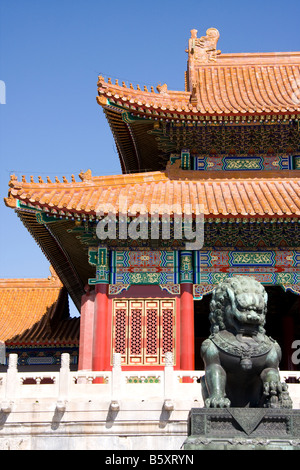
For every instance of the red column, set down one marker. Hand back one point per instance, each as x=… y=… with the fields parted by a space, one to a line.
x=86 y=330
x=102 y=329
x=187 y=334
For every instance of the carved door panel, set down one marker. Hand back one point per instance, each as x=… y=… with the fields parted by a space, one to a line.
x=167 y=328
x=135 y=340
x=120 y=327
x=151 y=337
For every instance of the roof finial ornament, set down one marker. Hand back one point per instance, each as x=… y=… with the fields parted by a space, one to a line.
x=163 y=89
x=13 y=179
x=204 y=49
x=85 y=176
x=53 y=276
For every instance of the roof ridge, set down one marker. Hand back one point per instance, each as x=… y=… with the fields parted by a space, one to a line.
x=86 y=180
x=52 y=282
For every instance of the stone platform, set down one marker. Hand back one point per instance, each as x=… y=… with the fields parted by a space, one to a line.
x=243 y=429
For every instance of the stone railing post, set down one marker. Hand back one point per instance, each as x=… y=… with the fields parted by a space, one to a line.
x=116 y=385
x=64 y=382
x=12 y=385
x=168 y=381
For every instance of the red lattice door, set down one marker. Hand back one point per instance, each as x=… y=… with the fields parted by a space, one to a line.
x=144 y=330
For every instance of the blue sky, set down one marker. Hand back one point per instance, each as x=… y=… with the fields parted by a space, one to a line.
x=51 y=52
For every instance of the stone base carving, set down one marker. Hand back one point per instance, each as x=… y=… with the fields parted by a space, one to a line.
x=243 y=429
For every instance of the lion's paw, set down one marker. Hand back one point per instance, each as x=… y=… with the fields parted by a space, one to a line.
x=276 y=395
x=217 y=401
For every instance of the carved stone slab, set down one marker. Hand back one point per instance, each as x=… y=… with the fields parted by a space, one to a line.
x=243 y=428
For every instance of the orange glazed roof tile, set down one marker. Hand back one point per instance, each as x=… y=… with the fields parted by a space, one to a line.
x=227 y=193
x=216 y=84
x=34 y=312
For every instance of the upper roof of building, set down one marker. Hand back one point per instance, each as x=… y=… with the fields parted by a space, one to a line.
x=238 y=84
x=35 y=313
x=221 y=89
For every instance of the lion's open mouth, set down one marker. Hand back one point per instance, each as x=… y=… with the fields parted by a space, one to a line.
x=253 y=318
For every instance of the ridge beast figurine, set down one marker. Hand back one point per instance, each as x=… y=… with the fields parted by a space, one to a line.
x=241 y=362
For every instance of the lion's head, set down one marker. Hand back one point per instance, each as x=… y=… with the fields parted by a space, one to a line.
x=238 y=303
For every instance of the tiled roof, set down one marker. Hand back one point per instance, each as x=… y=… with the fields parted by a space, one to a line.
x=216 y=84
x=239 y=84
x=34 y=313
x=249 y=84
x=224 y=96
x=252 y=83
x=219 y=193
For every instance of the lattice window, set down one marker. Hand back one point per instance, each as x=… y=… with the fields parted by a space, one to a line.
x=135 y=342
x=151 y=328
x=136 y=332
x=120 y=320
x=144 y=330
x=168 y=330
x=120 y=331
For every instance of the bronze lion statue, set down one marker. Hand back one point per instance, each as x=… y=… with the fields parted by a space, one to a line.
x=241 y=361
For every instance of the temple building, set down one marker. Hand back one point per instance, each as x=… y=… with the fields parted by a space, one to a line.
x=210 y=188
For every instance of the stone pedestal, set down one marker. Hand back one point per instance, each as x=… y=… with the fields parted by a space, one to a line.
x=243 y=429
